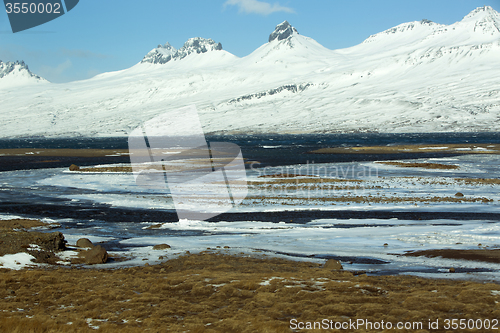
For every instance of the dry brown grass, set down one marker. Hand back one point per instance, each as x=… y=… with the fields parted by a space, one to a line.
x=431 y=148
x=285 y=175
x=107 y=169
x=20 y=224
x=486 y=255
x=213 y=292
x=288 y=185
x=367 y=199
x=311 y=180
x=479 y=181
x=62 y=152
x=422 y=165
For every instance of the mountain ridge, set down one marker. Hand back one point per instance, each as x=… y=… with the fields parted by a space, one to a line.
x=419 y=76
x=165 y=53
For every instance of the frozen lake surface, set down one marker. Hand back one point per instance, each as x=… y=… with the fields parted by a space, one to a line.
x=327 y=223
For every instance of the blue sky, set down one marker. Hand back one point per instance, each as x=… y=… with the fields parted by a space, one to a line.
x=106 y=35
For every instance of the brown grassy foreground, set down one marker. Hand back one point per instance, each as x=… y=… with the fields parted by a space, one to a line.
x=214 y=292
x=217 y=292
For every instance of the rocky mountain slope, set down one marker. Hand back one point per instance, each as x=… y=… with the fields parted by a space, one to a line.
x=416 y=77
x=17 y=73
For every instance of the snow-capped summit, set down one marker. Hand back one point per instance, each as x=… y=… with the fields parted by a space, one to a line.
x=286 y=47
x=17 y=73
x=282 y=31
x=165 y=53
x=405 y=33
x=17 y=67
x=482 y=11
x=480 y=27
x=161 y=55
x=483 y=20
x=198 y=45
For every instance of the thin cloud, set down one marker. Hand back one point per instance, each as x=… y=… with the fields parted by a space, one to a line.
x=77 y=53
x=55 y=74
x=257 y=7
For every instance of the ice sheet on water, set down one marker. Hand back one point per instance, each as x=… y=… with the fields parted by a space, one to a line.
x=341 y=238
x=350 y=238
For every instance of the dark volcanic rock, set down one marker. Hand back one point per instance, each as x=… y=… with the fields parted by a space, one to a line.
x=282 y=31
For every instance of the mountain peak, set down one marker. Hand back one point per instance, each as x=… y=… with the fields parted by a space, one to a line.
x=165 y=53
x=282 y=31
x=405 y=29
x=167 y=47
x=161 y=55
x=8 y=67
x=198 y=45
x=485 y=20
x=482 y=11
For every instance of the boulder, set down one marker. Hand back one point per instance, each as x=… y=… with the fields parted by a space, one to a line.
x=84 y=243
x=74 y=167
x=96 y=255
x=161 y=247
x=332 y=264
x=53 y=241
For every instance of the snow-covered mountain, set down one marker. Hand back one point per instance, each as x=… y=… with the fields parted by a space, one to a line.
x=416 y=77
x=164 y=53
x=16 y=74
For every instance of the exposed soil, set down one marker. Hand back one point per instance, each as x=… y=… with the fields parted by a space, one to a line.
x=15 y=238
x=21 y=224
